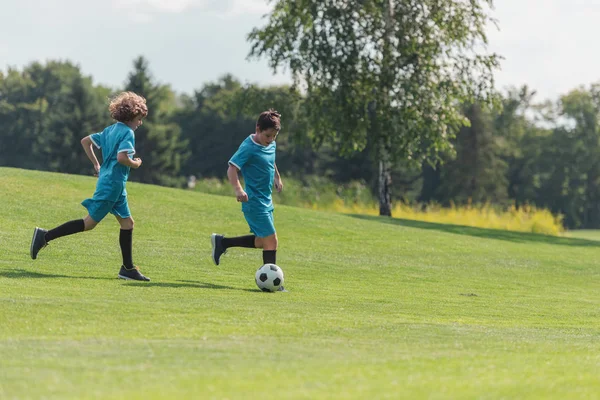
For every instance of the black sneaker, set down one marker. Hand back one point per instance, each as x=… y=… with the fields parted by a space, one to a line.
x=217 y=247
x=38 y=242
x=133 y=274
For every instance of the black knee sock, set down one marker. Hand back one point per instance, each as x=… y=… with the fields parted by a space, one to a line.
x=269 y=256
x=126 y=242
x=68 y=228
x=240 y=241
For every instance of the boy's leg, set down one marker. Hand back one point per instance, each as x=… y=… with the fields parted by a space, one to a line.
x=263 y=225
x=269 y=246
x=126 y=241
x=128 y=269
x=41 y=237
x=248 y=241
x=220 y=244
x=264 y=236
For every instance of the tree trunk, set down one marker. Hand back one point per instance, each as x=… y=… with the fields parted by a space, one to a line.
x=385 y=185
x=385 y=166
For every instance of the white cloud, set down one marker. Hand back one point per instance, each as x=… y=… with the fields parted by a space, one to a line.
x=222 y=7
x=250 y=7
x=146 y=6
x=547 y=44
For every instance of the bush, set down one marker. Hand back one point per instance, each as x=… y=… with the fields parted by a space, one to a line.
x=320 y=193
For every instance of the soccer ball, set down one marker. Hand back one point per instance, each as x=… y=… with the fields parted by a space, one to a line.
x=269 y=278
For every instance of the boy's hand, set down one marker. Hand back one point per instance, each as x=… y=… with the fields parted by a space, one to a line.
x=278 y=184
x=241 y=196
x=137 y=162
x=97 y=169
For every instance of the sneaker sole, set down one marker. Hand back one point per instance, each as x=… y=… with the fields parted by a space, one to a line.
x=32 y=242
x=131 y=279
x=213 y=239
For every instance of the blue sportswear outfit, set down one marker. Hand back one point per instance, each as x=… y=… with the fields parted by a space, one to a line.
x=257 y=165
x=111 y=195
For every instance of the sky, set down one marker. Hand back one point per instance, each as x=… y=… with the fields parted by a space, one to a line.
x=550 y=45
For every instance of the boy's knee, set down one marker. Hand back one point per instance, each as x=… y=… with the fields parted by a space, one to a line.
x=127 y=223
x=89 y=225
x=270 y=242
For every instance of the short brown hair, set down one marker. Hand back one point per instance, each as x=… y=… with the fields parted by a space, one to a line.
x=126 y=106
x=269 y=119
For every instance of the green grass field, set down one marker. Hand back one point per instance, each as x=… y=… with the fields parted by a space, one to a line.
x=585 y=234
x=377 y=308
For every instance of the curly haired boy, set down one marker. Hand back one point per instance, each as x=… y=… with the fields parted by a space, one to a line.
x=117 y=143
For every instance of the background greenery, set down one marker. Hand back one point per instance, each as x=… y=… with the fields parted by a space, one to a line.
x=521 y=153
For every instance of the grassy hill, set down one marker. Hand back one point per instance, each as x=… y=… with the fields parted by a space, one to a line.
x=377 y=308
x=589 y=234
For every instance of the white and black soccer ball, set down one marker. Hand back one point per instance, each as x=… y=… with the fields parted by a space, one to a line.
x=269 y=278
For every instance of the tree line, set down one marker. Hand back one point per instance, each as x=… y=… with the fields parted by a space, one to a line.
x=514 y=151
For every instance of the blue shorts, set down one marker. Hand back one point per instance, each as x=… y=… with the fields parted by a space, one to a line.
x=261 y=224
x=98 y=209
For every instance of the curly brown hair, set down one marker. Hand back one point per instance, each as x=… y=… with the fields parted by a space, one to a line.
x=269 y=119
x=126 y=106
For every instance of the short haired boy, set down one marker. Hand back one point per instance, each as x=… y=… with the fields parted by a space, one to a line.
x=255 y=159
x=117 y=143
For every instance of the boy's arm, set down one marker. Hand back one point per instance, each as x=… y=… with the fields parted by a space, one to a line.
x=277 y=181
x=232 y=175
x=87 y=145
x=124 y=159
x=125 y=147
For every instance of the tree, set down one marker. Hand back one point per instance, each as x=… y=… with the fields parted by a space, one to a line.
x=523 y=143
x=158 y=141
x=384 y=73
x=18 y=111
x=74 y=109
x=555 y=165
x=44 y=111
x=217 y=118
x=580 y=158
x=477 y=174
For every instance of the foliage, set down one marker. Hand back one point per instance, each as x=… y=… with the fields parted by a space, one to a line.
x=46 y=109
x=521 y=152
x=158 y=142
x=222 y=114
x=318 y=193
x=389 y=73
x=44 y=112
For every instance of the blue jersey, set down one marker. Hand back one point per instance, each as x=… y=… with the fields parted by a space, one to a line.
x=113 y=140
x=257 y=164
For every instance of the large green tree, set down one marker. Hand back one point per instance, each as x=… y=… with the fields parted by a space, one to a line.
x=387 y=74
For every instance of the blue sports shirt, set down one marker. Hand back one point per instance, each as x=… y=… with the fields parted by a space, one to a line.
x=112 y=140
x=257 y=164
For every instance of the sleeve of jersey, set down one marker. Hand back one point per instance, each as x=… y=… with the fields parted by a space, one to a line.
x=127 y=143
x=97 y=139
x=240 y=157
